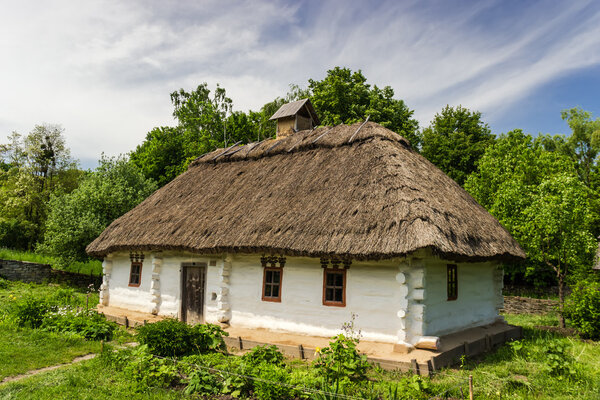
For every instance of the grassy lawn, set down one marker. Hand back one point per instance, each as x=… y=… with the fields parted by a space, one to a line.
x=86 y=380
x=524 y=370
x=93 y=266
x=543 y=365
x=23 y=349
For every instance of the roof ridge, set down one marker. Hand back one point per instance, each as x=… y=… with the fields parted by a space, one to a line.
x=323 y=137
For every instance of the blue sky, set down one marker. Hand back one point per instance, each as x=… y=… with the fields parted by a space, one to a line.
x=104 y=69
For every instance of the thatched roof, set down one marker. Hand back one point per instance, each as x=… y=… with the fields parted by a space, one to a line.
x=329 y=191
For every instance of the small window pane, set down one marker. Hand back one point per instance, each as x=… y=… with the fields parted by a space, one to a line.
x=330 y=279
x=267 y=290
x=275 y=291
x=275 y=277
x=339 y=280
x=338 y=295
x=329 y=294
x=269 y=278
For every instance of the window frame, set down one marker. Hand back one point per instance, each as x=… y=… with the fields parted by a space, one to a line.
x=452 y=281
x=139 y=274
x=333 y=303
x=272 y=298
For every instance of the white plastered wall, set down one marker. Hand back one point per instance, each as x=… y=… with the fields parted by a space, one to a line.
x=160 y=281
x=396 y=301
x=371 y=293
x=477 y=303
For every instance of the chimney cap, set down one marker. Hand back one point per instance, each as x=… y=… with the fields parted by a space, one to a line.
x=291 y=109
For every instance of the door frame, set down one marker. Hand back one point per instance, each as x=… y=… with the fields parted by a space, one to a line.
x=184 y=265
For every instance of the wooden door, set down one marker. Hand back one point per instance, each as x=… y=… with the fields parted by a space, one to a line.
x=193 y=281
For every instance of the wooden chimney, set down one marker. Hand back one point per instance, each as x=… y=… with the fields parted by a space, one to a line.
x=295 y=116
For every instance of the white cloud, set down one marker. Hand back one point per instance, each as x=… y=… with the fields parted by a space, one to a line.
x=104 y=69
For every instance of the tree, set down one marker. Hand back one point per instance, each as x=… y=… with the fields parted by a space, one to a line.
x=34 y=167
x=584 y=142
x=78 y=217
x=556 y=228
x=455 y=141
x=345 y=97
x=538 y=197
x=202 y=126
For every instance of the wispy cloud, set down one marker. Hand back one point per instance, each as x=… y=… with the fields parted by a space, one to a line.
x=104 y=69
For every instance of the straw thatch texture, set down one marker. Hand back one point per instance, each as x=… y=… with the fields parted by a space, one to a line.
x=314 y=193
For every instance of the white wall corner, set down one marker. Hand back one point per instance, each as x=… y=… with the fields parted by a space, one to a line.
x=417 y=294
x=223 y=303
x=155 y=283
x=104 y=288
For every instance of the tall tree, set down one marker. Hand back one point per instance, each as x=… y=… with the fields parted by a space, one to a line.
x=345 y=97
x=78 y=217
x=537 y=195
x=584 y=142
x=201 y=127
x=455 y=141
x=36 y=165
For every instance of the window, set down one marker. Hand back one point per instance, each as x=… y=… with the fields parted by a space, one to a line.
x=272 y=284
x=452 y=282
x=272 y=276
x=135 y=274
x=334 y=287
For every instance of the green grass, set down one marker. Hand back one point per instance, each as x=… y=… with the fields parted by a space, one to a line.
x=93 y=266
x=91 y=379
x=518 y=371
x=523 y=373
x=22 y=349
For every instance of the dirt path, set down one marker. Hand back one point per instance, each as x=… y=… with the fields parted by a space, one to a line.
x=50 y=368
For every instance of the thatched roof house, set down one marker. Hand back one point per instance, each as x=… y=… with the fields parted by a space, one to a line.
x=361 y=222
x=315 y=193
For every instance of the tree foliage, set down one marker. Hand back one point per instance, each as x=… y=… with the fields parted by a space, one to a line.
x=455 y=141
x=537 y=195
x=34 y=166
x=78 y=217
x=345 y=97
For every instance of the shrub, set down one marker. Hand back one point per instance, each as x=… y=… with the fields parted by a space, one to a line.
x=174 y=338
x=148 y=371
x=30 y=311
x=582 y=309
x=88 y=324
x=273 y=383
x=208 y=338
x=202 y=382
x=264 y=354
x=342 y=361
x=4 y=284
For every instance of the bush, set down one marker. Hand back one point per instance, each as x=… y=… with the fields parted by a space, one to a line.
x=208 y=338
x=88 y=324
x=267 y=387
x=264 y=354
x=174 y=338
x=341 y=360
x=202 y=382
x=148 y=371
x=582 y=309
x=16 y=233
x=4 y=284
x=30 y=311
